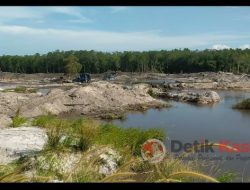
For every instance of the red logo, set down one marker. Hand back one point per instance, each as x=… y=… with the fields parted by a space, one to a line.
x=153 y=150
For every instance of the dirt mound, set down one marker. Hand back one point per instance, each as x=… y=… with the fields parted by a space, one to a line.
x=96 y=98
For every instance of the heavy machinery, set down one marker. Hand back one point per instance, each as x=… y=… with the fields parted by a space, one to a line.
x=83 y=77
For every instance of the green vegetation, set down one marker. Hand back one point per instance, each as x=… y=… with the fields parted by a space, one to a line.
x=111 y=116
x=226 y=177
x=80 y=134
x=18 y=120
x=86 y=140
x=174 y=61
x=245 y=104
x=72 y=65
x=151 y=92
x=20 y=89
x=128 y=138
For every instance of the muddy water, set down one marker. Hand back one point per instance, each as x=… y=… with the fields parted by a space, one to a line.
x=188 y=122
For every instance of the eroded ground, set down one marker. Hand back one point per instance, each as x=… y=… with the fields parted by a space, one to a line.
x=108 y=99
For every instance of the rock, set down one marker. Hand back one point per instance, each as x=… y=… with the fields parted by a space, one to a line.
x=5 y=121
x=62 y=162
x=39 y=93
x=207 y=97
x=18 y=142
x=109 y=162
x=69 y=162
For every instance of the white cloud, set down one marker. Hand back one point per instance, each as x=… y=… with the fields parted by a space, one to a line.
x=71 y=11
x=11 y=13
x=38 y=13
x=245 y=46
x=82 y=20
x=27 y=40
x=117 y=9
x=220 y=47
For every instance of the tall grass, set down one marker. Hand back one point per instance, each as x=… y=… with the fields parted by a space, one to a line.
x=131 y=138
x=18 y=120
x=83 y=133
x=80 y=136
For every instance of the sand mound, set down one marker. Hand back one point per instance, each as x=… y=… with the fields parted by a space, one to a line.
x=95 y=98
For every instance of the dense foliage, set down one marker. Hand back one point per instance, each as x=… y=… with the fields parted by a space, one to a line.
x=174 y=61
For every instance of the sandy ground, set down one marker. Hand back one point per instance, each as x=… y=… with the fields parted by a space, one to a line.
x=99 y=98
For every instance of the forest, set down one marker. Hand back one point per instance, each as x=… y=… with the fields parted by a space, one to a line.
x=171 y=61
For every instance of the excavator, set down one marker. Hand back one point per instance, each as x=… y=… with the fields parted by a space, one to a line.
x=83 y=78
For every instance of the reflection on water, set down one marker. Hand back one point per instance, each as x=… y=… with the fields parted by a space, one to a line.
x=189 y=122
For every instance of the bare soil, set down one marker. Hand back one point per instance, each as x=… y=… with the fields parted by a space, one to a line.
x=104 y=99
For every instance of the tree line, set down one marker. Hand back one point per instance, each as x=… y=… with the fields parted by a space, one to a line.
x=173 y=61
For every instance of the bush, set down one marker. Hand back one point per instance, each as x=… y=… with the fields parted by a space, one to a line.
x=245 y=104
x=151 y=92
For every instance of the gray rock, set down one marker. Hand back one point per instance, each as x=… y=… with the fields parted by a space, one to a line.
x=110 y=162
x=207 y=97
x=18 y=142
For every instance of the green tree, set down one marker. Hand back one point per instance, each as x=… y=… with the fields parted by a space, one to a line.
x=72 y=65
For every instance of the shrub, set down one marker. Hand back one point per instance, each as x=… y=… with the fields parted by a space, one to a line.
x=245 y=104
x=151 y=92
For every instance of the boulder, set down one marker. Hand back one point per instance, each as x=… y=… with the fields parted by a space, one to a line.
x=22 y=141
x=207 y=97
x=109 y=162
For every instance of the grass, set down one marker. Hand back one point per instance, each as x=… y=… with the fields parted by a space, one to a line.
x=130 y=138
x=21 y=89
x=87 y=139
x=18 y=120
x=82 y=133
x=111 y=116
x=245 y=104
x=226 y=177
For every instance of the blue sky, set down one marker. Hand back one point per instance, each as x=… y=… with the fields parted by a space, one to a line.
x=29 y=30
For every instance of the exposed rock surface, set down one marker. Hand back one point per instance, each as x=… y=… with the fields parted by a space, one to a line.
x=17 y=142
x=207 y=80
x=97 y=97
x=207 y=97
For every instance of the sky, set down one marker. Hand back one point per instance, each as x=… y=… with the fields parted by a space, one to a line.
x=30 y=30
